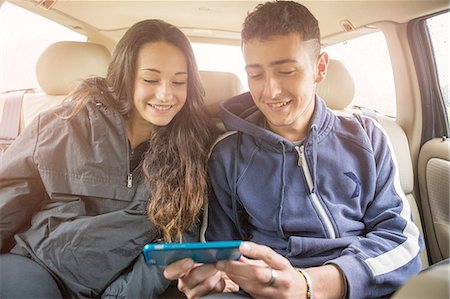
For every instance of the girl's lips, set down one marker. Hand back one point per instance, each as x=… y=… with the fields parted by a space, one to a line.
x=161 y=107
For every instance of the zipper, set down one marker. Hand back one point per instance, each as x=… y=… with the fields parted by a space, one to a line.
x=129 y=174
x=129 y=179
x=315 y=200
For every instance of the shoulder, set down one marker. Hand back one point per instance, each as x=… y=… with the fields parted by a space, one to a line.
x=223 y=143
x=91 y=121
x=364 y=130
x=356 y=129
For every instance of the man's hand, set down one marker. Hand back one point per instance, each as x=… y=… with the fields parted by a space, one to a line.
x=196 y=280
x=255 y=275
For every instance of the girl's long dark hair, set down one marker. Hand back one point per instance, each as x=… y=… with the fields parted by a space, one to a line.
x=175 y=163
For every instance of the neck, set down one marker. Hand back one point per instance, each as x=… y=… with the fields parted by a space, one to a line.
x=290 y=133
x=138 y=131
x=299 y=128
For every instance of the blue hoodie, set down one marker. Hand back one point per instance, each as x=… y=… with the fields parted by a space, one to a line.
x=336 y=198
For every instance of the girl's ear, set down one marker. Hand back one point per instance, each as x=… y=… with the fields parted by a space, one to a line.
x=322 y=65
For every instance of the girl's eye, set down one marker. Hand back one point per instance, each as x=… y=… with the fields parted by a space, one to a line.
x=150 y=81
x=179 y=82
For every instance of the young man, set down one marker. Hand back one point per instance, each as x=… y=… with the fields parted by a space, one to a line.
x=319 y=192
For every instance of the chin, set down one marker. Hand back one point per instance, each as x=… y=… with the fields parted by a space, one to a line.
x=161 y=123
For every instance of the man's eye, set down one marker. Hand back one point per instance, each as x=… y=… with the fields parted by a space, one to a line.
x=287 y=72
x=255 y=76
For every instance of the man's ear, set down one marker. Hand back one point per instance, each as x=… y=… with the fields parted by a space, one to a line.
x=322 y=66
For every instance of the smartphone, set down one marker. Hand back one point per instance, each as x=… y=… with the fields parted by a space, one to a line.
x=200 y=252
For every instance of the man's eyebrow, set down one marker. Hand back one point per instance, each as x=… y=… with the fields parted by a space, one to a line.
x=159 y=72
x=273 y=63
x=282 y=61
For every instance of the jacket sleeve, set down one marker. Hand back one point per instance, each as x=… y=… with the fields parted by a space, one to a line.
x=144 y=281
x=221 y=225
x=140 y=281
x=21 y=188
x=388 y=254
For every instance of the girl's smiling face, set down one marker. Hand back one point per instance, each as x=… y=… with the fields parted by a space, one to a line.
x=160 y=87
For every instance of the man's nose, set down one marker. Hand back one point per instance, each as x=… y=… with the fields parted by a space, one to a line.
x=272 y=87
x=164 y=92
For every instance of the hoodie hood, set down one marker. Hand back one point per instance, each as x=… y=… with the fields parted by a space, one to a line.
x=241 y=114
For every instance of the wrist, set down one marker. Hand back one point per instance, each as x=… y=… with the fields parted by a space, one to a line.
x=308 y=281
x=327 y=281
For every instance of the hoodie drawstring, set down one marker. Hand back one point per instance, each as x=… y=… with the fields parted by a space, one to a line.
x=283 y=186
x=314 y=153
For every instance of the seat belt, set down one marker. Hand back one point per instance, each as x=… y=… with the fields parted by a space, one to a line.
x=372 y=113
x=10 y=118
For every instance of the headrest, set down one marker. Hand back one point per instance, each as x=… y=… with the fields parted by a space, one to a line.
x=338 y=87
x=219 y=86
x=63 y=64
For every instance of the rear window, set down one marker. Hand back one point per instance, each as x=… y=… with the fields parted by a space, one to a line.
x=438 y=30
x=224 y=58
x=367 y=59
x=28 y=36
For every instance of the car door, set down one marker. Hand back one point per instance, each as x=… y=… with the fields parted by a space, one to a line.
x=429 y=39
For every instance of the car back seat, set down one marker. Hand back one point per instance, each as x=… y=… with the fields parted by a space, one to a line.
x=59 y=69
x=219 y=86
x=338 y=91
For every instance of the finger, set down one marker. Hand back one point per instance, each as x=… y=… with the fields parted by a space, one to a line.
x=256 y=289
x=241 y=271
x=264 y=253
x=197 y=275
x=211 y=284
x=178 y=269
x=260 y=263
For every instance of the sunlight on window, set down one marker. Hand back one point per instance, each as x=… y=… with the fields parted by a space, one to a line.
x=438 y=28
x=221 y=58
x=367 y=59
x=20 y=48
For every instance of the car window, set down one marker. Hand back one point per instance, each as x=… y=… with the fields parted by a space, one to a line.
x=20 y=46
x=225 y=58
x=438 y=30
x=367 y=59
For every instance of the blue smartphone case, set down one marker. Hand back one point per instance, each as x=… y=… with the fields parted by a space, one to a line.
x=206 y=253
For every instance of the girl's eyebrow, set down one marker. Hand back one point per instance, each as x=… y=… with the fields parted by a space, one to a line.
x=159 y=72
x=151 y=70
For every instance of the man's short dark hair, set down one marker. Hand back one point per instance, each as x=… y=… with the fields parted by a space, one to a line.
x=281 y=18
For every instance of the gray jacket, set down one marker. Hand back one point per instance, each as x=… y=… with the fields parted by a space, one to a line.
x=65 y=194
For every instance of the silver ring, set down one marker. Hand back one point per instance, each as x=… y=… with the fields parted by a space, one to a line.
x=273 y=277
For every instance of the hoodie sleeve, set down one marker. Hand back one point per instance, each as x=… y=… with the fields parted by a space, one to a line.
x=388 y=255
x=220 y=213
x=21 y=188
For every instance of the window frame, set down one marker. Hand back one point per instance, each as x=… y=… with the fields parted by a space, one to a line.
x=435 y=122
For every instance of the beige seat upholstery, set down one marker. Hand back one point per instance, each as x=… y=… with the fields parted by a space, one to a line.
x=59 y=69
x=338 y=91
x=338 y=88
x=219 y=86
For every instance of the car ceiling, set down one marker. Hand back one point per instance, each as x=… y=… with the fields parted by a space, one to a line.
x=220 y=21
